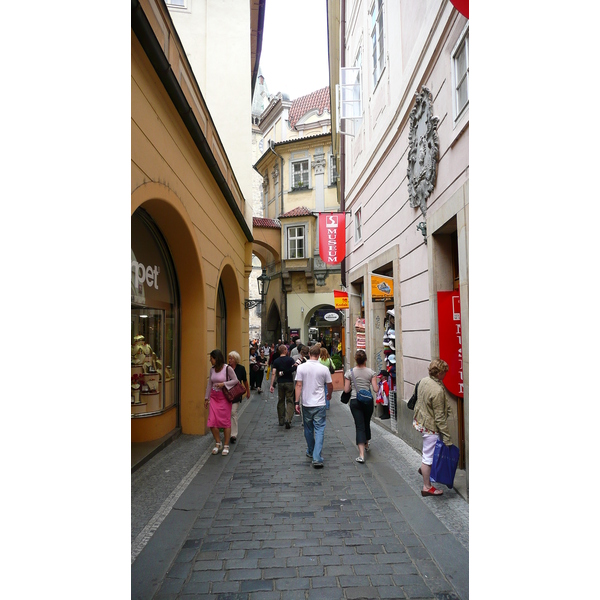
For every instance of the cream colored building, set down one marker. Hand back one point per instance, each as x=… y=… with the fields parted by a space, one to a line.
x=299 y=180
x=404 y=169
x=213 y=32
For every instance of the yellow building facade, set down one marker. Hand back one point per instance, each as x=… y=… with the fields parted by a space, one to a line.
x=191 y=243
x=299 y=178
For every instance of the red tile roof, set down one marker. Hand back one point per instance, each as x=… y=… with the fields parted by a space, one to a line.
x=269 y=223
x=304 y=104
x=301 y=211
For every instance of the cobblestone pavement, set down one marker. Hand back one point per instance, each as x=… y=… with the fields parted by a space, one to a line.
x=262 y=523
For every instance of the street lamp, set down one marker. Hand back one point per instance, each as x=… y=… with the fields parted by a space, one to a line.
x=263 y=287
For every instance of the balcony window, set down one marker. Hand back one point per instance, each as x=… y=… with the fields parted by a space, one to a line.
x=295 y=242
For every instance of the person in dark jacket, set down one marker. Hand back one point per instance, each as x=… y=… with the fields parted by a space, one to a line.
x=283 y=374
x=234 y=361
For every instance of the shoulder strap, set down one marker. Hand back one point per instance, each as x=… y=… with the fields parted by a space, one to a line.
x=354 y=379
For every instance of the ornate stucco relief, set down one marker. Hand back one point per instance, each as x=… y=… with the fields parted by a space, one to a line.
x=423 y=151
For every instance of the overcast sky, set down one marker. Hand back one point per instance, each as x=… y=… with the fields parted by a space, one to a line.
x=294 y=47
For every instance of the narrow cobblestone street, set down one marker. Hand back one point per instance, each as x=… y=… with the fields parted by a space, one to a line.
x=262 y=523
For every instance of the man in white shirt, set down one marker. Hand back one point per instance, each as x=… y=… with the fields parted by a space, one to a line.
x=311 y=378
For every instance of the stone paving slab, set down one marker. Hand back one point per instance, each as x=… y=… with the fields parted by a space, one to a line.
x=262 y=523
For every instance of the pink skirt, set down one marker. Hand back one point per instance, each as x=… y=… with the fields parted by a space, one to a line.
x=219 y=410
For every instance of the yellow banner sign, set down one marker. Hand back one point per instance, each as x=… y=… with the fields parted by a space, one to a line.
x=340 y=300
x=382 y=287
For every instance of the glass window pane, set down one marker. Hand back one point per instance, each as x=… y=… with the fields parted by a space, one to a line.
x=153 y=320
x=461 y=64
x=462 y=95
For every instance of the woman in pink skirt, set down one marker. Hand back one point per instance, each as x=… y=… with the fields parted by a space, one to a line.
x=219 y=409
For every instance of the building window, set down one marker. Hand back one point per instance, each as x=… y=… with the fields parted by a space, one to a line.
x=295 y=242
x=358 y=225
x=377 y=39
x=333 y=173
x=460 y=68
x=177 y=3
x=221 y=320
x=300 y=171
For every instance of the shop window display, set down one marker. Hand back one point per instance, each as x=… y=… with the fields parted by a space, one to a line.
x=153 y=321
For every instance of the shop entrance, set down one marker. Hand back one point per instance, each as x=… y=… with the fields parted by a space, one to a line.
x=325 y=327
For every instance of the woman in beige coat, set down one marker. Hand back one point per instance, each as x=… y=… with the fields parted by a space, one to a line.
x=431 y=419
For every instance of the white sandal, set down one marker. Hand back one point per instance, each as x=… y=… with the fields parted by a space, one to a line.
x=217 y=448
x=225 y=450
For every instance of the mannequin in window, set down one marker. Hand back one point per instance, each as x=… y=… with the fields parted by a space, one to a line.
x=141 y=353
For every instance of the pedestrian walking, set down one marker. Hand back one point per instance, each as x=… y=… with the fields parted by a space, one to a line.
x=431 y=419
x=356 y=379
x=312 y=378
x=325 y=359
x=261 y=361
x=234 y=360
x=295 y=350
x=219 y=409
x=254 y=367
x=282 y=373
x=300 y=359
x=272 y=357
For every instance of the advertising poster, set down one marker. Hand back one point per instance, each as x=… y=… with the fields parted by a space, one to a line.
x=382 y=288
x=340 y=300
x=450 y=335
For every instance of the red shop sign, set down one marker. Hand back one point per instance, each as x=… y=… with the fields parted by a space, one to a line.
x=450 y=335
x=332 y=237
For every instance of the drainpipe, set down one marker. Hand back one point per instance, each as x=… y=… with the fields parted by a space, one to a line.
x=271 y=144
x=343 y=137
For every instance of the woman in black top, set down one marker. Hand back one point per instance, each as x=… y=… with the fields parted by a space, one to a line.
x=234 y=360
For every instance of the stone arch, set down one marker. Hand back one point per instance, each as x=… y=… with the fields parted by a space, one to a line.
x=231 y=287
x=335 y=326
x=273 y=323
x=171 y=217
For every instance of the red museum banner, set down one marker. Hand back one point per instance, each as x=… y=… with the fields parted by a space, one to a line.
x=332 y=237
x=450 y=336
x=462 y=6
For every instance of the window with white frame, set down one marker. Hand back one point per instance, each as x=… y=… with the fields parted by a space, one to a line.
x=295 y=242
x=177 y=3
x=333 y=174
x=300 y=172
x=377 y=40
x=460 y=68
x=358 y=226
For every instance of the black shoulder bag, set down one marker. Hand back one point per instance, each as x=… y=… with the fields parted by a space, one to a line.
x=413 y=398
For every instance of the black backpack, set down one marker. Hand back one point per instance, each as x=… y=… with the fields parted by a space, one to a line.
x=413 y=398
